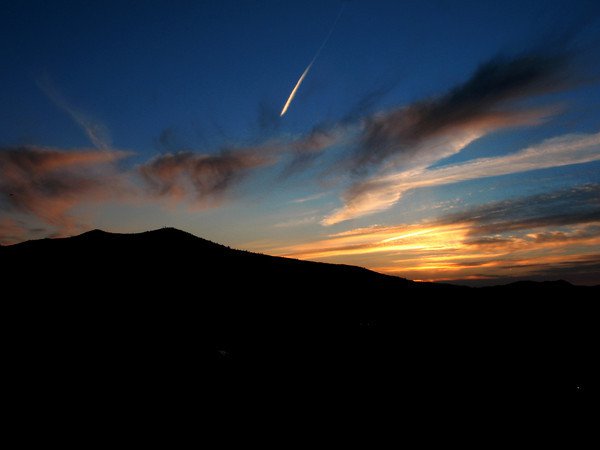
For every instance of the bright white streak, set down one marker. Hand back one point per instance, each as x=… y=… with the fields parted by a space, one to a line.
x=303 y=76
x=293 y=94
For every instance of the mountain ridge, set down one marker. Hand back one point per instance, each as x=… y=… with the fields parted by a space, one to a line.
x=175 y=235
x=163 y=306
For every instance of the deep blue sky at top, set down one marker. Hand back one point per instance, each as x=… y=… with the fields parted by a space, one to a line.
x=211 y=71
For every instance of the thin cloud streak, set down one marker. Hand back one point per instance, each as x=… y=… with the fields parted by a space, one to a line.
x=297 y=222
x=309 y=198
x=512 y=238
x=383 y=192
x=97 y=133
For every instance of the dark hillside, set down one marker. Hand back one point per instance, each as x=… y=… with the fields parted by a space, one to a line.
x=161 y=306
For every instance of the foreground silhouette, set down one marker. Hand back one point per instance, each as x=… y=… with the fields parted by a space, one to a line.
x=157 y=311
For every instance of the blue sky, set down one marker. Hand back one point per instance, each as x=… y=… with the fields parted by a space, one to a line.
x=133 y=115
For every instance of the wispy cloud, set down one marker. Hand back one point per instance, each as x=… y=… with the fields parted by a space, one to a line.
x=199 y=178
x=518 y=237
x=97 y=132
x=305 y=150
x=47 y=183
x=483 y=103
x=382 y=192
x=11 y=231
x=393 y=151
x=574 y=206
x=308 y=198
x=297 y=221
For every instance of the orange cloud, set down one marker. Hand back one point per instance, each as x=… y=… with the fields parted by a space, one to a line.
x=546 y=233
x=11 y=231
x=47 y=183
x=447 y=252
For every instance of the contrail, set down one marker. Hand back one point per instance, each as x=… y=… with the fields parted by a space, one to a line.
x=303 y=76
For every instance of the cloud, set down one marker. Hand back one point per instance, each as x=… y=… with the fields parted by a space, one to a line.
x=96 y=132
x=297 y=222
x=302 y=151
x=421 y=133
x=47 y=183
x=380 y=193
x=528 y=236
x=561 y=236
x=169 y=141
x=393 y=150
x=308 y=198
x=577 y=205
x=428 y=130
x=366 y=104
x=11 y=231
x=200 y=178
x=484 y=102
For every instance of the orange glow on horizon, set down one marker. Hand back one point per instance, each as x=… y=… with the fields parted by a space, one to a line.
x=449 y=251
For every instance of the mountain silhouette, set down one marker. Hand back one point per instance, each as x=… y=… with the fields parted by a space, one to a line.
x=162 y=308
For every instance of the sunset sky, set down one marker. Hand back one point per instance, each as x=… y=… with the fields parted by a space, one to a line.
x=433 y=140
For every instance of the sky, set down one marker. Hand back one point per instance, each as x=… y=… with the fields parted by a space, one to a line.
x=439 y=140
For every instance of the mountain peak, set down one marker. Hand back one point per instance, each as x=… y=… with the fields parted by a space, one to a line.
x=165 y=236
x=169 y=231
x=95 y=233
x=164 y=232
